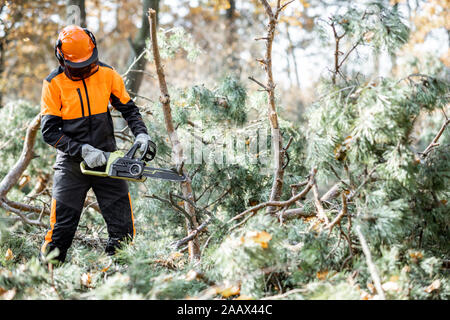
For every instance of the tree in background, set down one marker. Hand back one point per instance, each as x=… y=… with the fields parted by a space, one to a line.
x=138 y=45
x=27 y=31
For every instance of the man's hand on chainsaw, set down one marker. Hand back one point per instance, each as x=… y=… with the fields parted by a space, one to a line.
x=143 y=139
x=93 y=156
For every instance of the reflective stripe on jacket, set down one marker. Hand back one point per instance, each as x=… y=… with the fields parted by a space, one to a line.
x=76 y=112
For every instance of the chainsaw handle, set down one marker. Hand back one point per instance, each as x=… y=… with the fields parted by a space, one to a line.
x=148 y=155
x=132 y=151
x=84 y=166
x=91 y=172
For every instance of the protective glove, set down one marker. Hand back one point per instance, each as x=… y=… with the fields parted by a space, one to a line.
x=93 y=156
x=143 y=139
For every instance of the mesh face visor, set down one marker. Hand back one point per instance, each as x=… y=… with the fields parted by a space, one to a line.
x=81 y=73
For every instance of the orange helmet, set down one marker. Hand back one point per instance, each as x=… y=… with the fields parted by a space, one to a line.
x=76 y=47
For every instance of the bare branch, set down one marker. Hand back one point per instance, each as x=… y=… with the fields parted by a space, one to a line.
x=268 y=9
x=172 y=204
x=284 y=6
x=259 y=83
x=295 y=213
x=26 y=207
x=348 y=53
x=136 y=59
x=434 y=143
x=16 y=172
x=284 y=295
x=218 y=199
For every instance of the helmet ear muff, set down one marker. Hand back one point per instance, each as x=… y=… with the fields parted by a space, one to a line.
x=91 y=35
x=58 y=53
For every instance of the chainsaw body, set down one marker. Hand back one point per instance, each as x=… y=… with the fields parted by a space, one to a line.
x=127 y=167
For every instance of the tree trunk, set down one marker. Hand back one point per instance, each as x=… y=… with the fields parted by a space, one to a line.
x=2 y=67
x=291 y=51
x=232 y=38
x=134 y=79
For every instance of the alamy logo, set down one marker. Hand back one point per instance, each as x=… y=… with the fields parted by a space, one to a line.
x=221 y=145
x=73 y=15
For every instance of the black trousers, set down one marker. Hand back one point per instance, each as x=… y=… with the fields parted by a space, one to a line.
x=70 y=187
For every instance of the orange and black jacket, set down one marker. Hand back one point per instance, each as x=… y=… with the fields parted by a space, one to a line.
x=76 y=112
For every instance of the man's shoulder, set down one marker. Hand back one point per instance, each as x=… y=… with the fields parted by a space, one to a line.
x=54 y=73
x=108 y=70
x=102 y=64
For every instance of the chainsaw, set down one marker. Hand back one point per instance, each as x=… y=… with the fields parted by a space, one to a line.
x=128 y=167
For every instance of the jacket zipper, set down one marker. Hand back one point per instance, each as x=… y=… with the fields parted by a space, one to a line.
x=87 y=97
x=81 y=101
x=89 y=110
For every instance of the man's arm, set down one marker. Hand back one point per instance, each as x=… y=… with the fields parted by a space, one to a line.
x=122 y=102
x=52 y=123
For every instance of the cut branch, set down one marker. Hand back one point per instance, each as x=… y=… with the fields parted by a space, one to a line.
x=27 y=207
